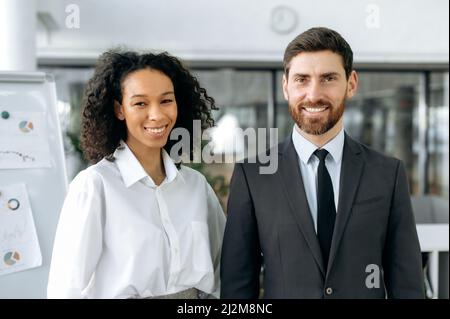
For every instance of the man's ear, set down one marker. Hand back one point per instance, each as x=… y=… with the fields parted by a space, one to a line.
x=118 y=110
x=285 y=87
x=352 y=86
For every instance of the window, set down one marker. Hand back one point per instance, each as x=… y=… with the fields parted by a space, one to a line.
x=242 y=100
x=402 y=114
x=438 y=135
x=384 y=115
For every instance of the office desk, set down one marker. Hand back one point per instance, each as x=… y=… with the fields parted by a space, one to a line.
x=433 y=238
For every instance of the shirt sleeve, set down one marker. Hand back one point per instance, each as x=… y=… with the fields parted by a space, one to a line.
x=216 y=225
x=78 y=241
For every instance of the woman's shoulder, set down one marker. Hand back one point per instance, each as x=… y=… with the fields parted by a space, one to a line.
x=196 y=181
x=95 y=174
x=192 y=176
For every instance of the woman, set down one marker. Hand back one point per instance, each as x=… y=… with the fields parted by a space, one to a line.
x=135 y=225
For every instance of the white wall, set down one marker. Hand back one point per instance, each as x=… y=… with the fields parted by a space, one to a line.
x=17 y=39
x=409 y=30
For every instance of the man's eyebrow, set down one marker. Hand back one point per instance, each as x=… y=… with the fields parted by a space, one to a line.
x=327 y=74
x=323 y=75
x=302 y=75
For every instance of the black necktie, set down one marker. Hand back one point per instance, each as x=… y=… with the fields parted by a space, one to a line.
x=326 y=211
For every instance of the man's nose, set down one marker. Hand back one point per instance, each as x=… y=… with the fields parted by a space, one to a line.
x=314 y=92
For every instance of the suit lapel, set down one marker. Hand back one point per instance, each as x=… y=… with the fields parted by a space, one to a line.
x=292 y=182
x=351 y=171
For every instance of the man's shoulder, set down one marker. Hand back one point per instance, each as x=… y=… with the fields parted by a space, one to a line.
x=263 y=159
x=370 y=155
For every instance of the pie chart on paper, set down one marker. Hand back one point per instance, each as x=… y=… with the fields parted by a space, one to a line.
x=11 y=258
x=26 y=126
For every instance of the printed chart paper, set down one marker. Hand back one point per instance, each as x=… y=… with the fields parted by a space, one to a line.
x=19 y=246
x=24 y=141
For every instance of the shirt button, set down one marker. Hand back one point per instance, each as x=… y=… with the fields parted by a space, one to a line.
x=329 y=291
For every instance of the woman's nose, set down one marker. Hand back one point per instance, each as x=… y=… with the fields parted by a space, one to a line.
x=154 y=112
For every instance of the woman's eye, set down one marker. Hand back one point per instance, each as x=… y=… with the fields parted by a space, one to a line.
x=165 y=101
x=140 y=104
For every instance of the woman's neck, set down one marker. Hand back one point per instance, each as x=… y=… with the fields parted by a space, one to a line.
x=150 y=159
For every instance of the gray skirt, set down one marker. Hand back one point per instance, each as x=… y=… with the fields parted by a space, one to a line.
x=190 y=293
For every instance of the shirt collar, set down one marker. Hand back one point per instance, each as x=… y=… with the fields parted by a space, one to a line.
x=132 y=171
x=305 y=148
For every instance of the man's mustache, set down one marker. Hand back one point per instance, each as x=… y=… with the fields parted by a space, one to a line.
x=317 y=104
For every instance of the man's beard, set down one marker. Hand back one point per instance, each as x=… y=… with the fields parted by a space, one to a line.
x=316 y=126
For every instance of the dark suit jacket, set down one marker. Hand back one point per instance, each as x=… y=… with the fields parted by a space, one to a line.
x=269 y=222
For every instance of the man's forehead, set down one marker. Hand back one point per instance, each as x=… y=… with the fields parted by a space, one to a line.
x=317 y=62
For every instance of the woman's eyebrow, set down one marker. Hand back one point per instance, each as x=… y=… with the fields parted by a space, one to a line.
x=145 y=95
x=138 y=95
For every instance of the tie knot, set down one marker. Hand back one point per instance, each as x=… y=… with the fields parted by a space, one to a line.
x=321 y=154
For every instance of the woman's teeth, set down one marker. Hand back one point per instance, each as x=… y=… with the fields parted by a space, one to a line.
x=156 y=130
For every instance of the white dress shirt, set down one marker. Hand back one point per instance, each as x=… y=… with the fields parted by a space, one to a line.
x=309 y=164
x=121 y=236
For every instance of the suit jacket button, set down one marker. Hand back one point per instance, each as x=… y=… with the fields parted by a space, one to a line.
x=329 y=291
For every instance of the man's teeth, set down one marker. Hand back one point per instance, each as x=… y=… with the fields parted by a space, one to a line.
x=315 y=109
x=156 y=130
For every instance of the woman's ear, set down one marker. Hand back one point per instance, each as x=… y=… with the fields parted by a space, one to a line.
x=118 y=110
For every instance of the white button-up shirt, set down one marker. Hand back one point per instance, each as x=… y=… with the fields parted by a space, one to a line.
x=121 y=236
x=309 y=164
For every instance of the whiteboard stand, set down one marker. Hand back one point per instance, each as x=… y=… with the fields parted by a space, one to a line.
x=47 y=187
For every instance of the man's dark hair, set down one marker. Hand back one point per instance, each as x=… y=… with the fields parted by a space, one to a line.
x=319 y=39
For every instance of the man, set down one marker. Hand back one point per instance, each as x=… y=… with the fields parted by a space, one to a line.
x=335 y=220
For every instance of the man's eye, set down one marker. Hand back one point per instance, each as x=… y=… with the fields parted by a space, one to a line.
x=300 y=80
x=329 y=78
x=139 y=103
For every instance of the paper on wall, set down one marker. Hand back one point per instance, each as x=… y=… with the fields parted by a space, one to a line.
x=24 y=141
x=19 y=245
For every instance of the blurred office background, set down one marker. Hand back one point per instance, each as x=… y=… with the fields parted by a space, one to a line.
x=235 y=48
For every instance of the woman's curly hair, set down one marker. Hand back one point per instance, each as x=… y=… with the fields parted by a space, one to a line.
x=101 y=131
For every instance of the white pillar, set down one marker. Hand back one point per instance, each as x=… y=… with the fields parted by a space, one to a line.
x=17 y=35
x=445 y=136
